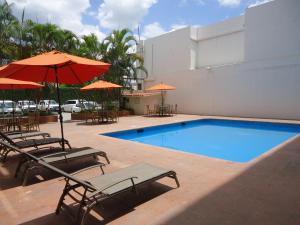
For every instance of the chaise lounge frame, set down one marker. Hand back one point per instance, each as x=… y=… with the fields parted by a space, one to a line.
x=94 y=194
x=28 y=143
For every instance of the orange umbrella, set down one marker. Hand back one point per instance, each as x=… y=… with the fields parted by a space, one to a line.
x=98 y=85
x=161 y=87
x=7 y=84
x=101 y=84
x=55 y=67
x=11 y=84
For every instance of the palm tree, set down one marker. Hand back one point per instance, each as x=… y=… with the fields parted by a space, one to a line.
x=67 y=41
x=8 y=22
x=90 y=47
x=118 y=50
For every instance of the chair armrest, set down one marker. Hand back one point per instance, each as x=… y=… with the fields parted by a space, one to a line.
x=111 y=185
x=54 y=154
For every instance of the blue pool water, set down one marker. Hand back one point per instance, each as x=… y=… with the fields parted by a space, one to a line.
x=237 y=141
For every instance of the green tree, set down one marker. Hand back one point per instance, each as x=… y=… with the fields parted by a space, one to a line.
x=8 y=22
x=90 y=47
x=118 y=49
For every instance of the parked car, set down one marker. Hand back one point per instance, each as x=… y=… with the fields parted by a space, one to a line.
x=27 y=105
x=50 y=105
x=85 y=106
x=94 y=104
x=68 y=106
x=8 y=106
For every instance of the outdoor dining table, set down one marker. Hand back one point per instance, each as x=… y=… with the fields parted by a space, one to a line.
x=164 y=110
x=13 y=122
x=103 y=116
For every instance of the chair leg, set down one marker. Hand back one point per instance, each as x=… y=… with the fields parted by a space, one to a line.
x=89 y=207
x=26 y=175
x=62 y=198
x=174 y=176
x=22 y=161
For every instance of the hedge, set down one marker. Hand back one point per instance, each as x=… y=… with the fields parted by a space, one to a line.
x=67 y=93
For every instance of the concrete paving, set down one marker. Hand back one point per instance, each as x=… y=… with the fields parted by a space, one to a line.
x=264 y=191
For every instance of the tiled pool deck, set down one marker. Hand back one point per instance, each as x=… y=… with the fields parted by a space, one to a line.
x=264 y=191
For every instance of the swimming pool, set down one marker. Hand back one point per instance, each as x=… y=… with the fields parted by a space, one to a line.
x=238 y=141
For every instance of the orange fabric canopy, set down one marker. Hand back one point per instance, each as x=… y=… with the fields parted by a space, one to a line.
x=7 y=84
x=101 y=84
x=41 y=68
x=161 y=87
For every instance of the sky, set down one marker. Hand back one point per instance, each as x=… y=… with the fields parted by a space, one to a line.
x=152 y=17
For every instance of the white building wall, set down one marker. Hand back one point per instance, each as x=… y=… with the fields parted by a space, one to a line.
x=167 y=53
x=221 y=43
x=239 y=90
x=221 y=50
x=138 y=104
x=264 y=83
x=272 y=30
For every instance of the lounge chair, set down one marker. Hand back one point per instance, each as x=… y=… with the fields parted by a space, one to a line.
x=29 y=166
x=103 y=187
x=29 y=143
x=25 y=135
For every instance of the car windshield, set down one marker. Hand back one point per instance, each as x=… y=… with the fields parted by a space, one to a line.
x=88 y=105
x=7 y=104
x=52 y=102
x=27 y=103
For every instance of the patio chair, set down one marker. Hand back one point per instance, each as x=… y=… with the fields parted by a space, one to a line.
x=30 y=166
x=3 y=126
x=29 y=143
x=13 y=123
x=29 y=124
x=103 y=187
x=156 y=109
x=174 y=110
x=113 y=115
x=149 y=111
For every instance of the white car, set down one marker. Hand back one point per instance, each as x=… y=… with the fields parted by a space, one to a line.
x=8 y=107
x=85 y=106
x=50 y=105
x=68 y=106
x=27 y=105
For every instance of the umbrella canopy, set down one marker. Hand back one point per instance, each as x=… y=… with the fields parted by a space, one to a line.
x=8 y=84
x=161 y=87
x=101 y=84
x=55 y=67
x=42 y=68
x=12 y=84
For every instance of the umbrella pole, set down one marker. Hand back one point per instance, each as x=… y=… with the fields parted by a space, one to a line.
x=162 y=102
x=13 y=108
x=3 y=114
x=59 y=111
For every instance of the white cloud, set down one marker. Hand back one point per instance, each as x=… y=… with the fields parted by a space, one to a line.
x=152 y=30
x=178 y=26
x=65 y=13
x=126 y=13
x=229 y=2
x=185 y=2
x=155 y=29
x=259 y=2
